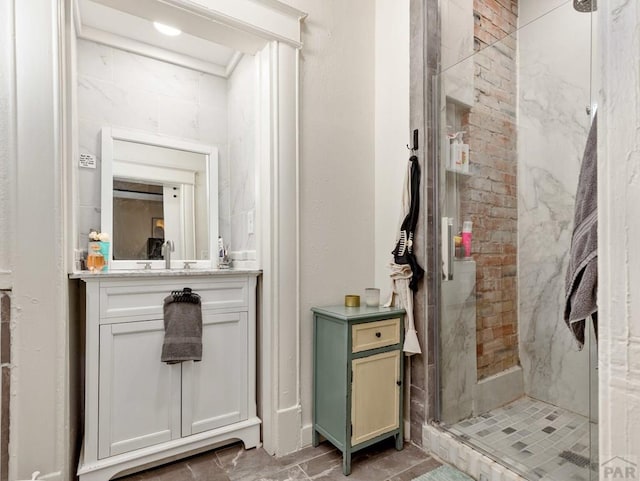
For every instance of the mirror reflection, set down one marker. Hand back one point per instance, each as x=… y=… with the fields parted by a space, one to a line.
x=138 y=220
x=158 y=190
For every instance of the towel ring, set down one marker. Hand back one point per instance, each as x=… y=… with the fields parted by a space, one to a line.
x=185 y=295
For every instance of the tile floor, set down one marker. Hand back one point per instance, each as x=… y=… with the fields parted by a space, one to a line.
x=539 y=440
x=378 y=463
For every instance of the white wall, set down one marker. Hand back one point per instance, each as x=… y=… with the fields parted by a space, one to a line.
x=336 y=163
x=40 y=428
x=336 y=177
x=241 y=122
x=7 y=167
x=553 y=92
x=7 y=112
x=126 y=90
x=619 y=231
x=391 y=129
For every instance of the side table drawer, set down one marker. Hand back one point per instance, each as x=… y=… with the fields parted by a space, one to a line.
x=372 y=335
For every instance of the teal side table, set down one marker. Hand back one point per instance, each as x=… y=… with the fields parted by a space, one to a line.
x=358 y=376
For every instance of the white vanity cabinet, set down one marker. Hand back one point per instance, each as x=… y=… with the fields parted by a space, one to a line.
x=139 y=401
x=140 y=411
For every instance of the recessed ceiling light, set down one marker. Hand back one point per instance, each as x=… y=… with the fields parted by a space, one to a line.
x=166 y=29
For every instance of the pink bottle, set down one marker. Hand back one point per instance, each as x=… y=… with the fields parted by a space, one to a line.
x=466 y=237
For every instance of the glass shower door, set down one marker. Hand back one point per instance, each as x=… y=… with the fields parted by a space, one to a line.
x=513 y=113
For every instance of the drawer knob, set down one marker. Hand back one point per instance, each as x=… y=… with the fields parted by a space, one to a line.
x=378 y=334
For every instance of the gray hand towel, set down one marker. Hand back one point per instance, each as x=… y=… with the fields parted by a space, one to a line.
x=582 y=274
x=182 y=329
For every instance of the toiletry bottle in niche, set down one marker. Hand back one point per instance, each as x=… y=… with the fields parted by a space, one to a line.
x=457 y=242
x=447 y=148
x=466 y=237
x=459 y=153
x=464 y=158
x=456 y=152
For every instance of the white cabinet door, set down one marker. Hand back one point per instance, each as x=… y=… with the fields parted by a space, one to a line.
x=214 y=390
x=375 y=396
x=139 y=394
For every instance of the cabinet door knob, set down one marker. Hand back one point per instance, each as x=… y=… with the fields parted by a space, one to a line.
x=378 y=334
x=399 y=383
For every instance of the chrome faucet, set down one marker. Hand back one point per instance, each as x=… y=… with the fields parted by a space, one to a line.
x=167 y=248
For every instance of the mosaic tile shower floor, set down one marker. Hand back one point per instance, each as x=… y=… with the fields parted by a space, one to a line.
x=541 y=441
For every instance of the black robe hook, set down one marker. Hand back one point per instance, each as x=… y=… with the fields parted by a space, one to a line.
x=414 y=146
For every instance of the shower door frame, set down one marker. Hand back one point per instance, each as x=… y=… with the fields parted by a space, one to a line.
x=432 y=108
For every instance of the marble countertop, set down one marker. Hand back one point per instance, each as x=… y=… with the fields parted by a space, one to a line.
x=86 y=275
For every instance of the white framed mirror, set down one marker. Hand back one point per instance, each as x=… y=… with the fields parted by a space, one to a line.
x=157 y=189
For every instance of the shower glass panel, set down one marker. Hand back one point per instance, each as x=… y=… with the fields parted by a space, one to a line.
x=514 y=105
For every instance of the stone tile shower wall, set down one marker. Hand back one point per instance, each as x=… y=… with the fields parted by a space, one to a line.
x=424 y=58
x=241 y=124
x=553 y=126
x=488 y=197
x=126 y=90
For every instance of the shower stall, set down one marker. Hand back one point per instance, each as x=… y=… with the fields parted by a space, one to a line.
x=511 y=106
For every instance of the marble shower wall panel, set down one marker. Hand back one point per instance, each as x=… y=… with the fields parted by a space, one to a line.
x=122 y=89
x=419 y=80
x=457 y=45
x=554 y=82
x=458 y=370
x=430 y=52
x=241 y=98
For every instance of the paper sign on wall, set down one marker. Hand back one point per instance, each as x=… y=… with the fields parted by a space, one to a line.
x=88 y=161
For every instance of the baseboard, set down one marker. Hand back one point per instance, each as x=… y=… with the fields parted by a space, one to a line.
x=288 y=428
x=245 y=264
x=305 y=435
x=244 y=259
x=243 y=255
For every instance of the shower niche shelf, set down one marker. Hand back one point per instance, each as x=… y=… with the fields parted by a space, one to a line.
x=451 y=171
x=455 y=146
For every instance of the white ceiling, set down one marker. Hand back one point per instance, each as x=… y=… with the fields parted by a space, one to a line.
x=119 y=25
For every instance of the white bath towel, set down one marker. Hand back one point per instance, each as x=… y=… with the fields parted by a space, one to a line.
x=400 y=278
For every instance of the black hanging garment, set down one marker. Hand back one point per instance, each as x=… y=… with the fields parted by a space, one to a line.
x=403 y=252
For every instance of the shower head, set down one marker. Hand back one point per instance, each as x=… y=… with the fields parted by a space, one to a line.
x=585 y=5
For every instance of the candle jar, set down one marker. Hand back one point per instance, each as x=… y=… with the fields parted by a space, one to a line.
x=372 y=296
